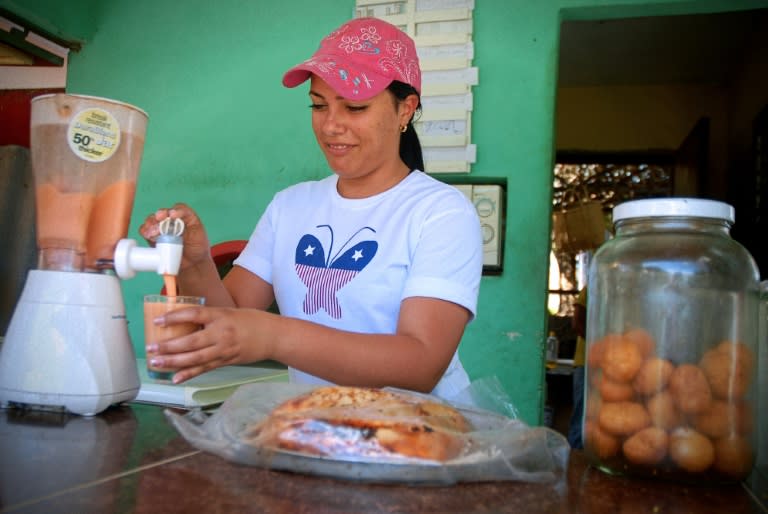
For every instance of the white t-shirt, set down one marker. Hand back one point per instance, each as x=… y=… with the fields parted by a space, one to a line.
x=349 y=263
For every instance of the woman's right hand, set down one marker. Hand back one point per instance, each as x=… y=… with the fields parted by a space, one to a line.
x=197 y=248
x=227 y=336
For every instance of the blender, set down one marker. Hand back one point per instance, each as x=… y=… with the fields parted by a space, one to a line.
x=67 y=346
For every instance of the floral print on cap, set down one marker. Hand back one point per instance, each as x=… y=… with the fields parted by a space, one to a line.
x=360 y=59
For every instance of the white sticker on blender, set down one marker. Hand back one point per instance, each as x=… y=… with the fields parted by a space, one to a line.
x=94 y=135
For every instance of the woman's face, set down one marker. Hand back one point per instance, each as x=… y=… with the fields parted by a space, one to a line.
x=360 y=139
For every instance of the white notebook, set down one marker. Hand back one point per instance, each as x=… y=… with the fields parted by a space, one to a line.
x=205 y=390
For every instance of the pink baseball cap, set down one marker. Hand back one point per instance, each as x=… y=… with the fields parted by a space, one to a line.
x=360 y=59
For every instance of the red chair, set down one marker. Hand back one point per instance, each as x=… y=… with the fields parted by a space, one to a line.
x=224 y=254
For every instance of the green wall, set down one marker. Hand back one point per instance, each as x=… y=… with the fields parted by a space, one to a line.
x=224 y=135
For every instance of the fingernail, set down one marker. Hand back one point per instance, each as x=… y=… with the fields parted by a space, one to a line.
x=156 y=361
x=151 y=348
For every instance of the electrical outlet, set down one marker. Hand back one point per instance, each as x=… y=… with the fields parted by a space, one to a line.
x=488 y=201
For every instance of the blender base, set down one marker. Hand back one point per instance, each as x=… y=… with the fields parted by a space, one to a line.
x=67 y=345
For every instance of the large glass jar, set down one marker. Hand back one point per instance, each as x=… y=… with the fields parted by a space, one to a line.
x=672 y=327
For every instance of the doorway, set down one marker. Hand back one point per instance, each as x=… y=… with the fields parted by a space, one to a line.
x=687 y=88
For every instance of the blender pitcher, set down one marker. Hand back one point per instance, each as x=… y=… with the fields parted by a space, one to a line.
x=85 y=153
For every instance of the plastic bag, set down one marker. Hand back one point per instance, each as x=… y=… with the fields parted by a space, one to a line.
x=498 y=448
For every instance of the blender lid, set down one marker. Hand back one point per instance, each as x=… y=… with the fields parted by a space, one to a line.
x=665 y=207
x=99 y=98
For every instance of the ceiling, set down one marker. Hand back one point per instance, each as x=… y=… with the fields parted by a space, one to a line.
x=702 y=48
x=690 y=49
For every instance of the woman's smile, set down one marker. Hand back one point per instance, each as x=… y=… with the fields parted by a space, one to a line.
x=339 y=148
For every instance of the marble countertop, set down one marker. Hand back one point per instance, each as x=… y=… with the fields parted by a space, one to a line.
x=129 y=459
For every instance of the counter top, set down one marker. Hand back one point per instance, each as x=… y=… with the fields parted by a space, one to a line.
x=129 y=459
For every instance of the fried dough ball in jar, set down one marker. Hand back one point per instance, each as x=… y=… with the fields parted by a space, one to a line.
x=733 y=456
x=663 y=412
x=599 y=442
x=723 y=419
x=728 y=367
x=643 y=339
x=647 y=446
x=691 y=450
x=613 y=391
x=621 y=359
x=653 y=375
x=690 y=389
x=597 y=349
x=623 y=418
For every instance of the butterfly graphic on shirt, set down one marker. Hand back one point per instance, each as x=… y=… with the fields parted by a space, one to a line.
x=325 y=276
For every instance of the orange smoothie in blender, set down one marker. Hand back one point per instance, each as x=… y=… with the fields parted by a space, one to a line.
x=109 y=221
x=83 y=204
x=62 y=224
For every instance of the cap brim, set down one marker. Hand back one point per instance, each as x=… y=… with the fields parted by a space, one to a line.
x=295 y=76
x=365 y=84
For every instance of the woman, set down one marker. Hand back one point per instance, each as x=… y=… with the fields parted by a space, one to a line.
x=375 y=269
x=579 y=325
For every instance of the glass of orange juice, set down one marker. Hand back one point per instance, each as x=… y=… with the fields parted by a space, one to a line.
x=156 y=305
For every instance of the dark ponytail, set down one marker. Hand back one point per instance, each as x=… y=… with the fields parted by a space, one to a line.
x=410 y=147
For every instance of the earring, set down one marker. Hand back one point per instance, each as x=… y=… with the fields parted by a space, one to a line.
x=404 y=128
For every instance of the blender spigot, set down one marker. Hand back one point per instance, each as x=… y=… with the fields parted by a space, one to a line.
x=164 y=258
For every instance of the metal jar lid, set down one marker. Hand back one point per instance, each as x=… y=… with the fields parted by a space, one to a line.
x=664 y=207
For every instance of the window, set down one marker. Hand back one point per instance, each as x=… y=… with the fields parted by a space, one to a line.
x=611 y=180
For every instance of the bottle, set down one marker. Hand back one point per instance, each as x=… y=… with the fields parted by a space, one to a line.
x=552 y=348
x=672 y=327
